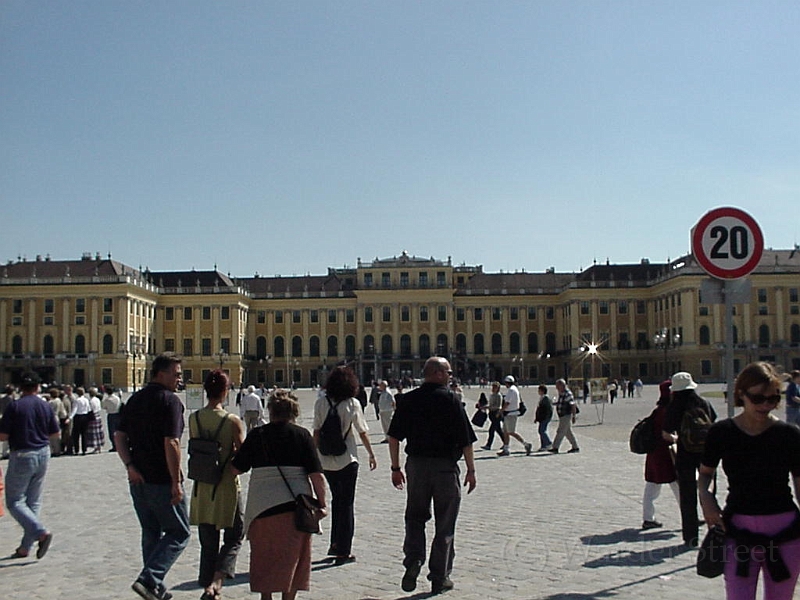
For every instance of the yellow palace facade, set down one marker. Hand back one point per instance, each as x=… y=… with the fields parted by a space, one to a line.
x=98 y=321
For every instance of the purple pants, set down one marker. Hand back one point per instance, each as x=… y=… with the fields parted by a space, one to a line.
x=744 y=588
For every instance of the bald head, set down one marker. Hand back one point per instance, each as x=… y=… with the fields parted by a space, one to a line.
x=436 y=370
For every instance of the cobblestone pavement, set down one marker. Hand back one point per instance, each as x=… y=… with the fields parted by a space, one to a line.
x=544 y=526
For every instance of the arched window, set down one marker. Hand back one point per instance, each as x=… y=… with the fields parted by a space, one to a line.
x=533 y=343
x=369 y=345
x=763 y=335
x=441 y=345
x=550 y=342
x=313 y=346
x=478 y=344
x=405 y=345
x=705 y=336
x=333 y=346
x=497 y=343
x=513 y=343
x=424 y=346
x=350 y=346
x=794 y=335
x=280 y=350
x=80 y=344
x=461 y=344
x=261 y=347
x=386 y=346
x=108 y=344
x=297 y=346
x=48 y=347
x=16 y=344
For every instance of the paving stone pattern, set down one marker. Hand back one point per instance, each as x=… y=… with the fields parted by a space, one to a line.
x=554 y=527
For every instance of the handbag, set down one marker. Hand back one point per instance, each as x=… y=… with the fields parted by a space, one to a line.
x=479 y=418
x=711 y=554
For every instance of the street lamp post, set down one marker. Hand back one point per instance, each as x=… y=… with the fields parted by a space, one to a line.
x=136 y=350
x=223 y=356
x=662 y=339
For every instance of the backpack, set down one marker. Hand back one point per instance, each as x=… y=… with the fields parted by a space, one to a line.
x=695 y=424
x=331 y=441
x=643 y=439
x=205 y=455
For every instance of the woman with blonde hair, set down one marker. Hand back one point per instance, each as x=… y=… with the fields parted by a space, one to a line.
x=759 y=454
x=284 y=461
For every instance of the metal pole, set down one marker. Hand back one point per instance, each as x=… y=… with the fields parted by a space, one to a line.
x=727 y=291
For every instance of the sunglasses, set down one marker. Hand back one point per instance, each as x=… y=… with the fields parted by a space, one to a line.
x=761 y=399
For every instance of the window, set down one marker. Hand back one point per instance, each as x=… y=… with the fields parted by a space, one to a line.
x=405 y=345
x=423 y=313
x=461 y=314
x=624 y=343
x=108 y=305
x=584 y=307
x=261 y=347
x=108 y=319
x=705 y=367
x=386 y=314
x=187 y=313
x=386 y=280
x=550 y=342
x=49 y=306
x=603 y=307
x=225 y=313
x=794 y=309
x=225 y=345
x=188 y=349
x=549 y=313
x=332 y=316
x=440 y=279
x=206 y=313
x=424 y=346
x=477 y=314
x=80 y=305
x=405 y=314
x=80 y=344
x=16 y=320
x=762 y=310
x=295 y=316
x=762 y=294
x=16 y=344
x=350 y=315
x=187 y=375
x=48 y=345
x=497 y=314
x=477 y=343
x=333 y=346
x=513 y=313
x=704 y=311
x=108 y=344
x=793 y=295
x=261 y=316
x=461 y=344
x=622 y=307
x=386 y=346
x=17 y=307
x=314 y=316
x=169 y=344
x=169 y=313
x=423 y=279
x=442 y=313
x=641 y=307
x=278 y=347
x=763 y=335
x=369 y=345
x=278 y=317
x=513 y=343
x=497 y=343
x=368 y=280
x=404 y=279
x=297 y=346
x=368 y=314
x=206 y=347
x=79 y=319
x=107 y=376
x=794 y=334
x=533 y=343
x=531 y=313
x=313 y=346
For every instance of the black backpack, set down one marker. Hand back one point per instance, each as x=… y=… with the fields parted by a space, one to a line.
x=331 y=441
x=205 y=455
x=695 y=424
x=644 y=438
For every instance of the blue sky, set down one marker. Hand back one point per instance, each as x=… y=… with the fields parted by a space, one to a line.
x=286 y=137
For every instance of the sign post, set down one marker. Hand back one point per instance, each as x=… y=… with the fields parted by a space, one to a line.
x=728 y=244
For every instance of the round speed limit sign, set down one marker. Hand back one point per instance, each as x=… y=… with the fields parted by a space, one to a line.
x=728 y=243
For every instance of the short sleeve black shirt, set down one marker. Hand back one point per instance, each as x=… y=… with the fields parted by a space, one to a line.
x=757 y=467
x=433 y=422
x=278 y=444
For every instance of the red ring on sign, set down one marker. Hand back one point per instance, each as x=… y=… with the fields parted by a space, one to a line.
x=706 y=263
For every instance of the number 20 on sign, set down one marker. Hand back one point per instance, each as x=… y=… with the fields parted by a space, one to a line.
x=727 y=243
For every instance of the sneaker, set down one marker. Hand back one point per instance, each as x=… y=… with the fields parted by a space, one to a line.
x=409 y=582
x=486 y=447
x=149 y=593
x=573 y=450
x=651 y=525
x=441 y=585
x=528 y=448
x=503 y=452
x=553 y=450
x=44 y=544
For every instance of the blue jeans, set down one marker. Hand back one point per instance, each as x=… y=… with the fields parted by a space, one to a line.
x=24 y=482
x=165 y=530
x=543 y=437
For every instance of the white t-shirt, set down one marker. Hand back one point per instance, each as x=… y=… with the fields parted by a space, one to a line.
x=352 y=418
x=512 y=398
